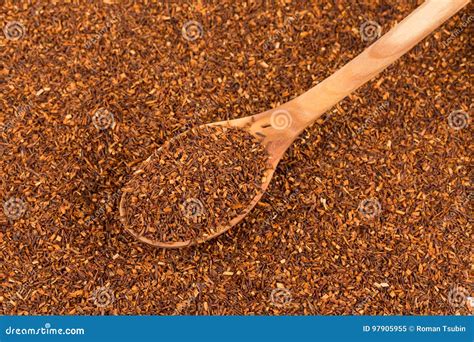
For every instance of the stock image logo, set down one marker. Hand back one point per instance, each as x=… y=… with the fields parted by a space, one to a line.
x=370 y=208
x=193 y=210
x=280 y=297
x=192 y=30
x=281 y=119
x=370 y=31
x=458 y=120
x=103 y=297
x=47 y=329
x=103 y=119
x=14 y=208
x=14 y=30
x=458 y=296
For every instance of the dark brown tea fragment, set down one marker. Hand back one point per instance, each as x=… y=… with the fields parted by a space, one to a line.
x=195 y=184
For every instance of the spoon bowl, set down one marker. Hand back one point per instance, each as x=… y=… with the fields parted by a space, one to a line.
x=259 y=126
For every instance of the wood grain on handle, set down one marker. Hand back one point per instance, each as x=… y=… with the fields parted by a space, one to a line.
x=400 y=39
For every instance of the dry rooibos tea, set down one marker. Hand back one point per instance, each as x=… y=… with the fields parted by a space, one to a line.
x=195 y=184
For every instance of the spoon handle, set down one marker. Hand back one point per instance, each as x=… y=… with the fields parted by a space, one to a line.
x=309 y=106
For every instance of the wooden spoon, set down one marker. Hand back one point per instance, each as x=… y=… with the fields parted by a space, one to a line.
x=282 y=125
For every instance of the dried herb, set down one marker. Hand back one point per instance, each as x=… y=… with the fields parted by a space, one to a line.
x=369 y=212
x=195 y=184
